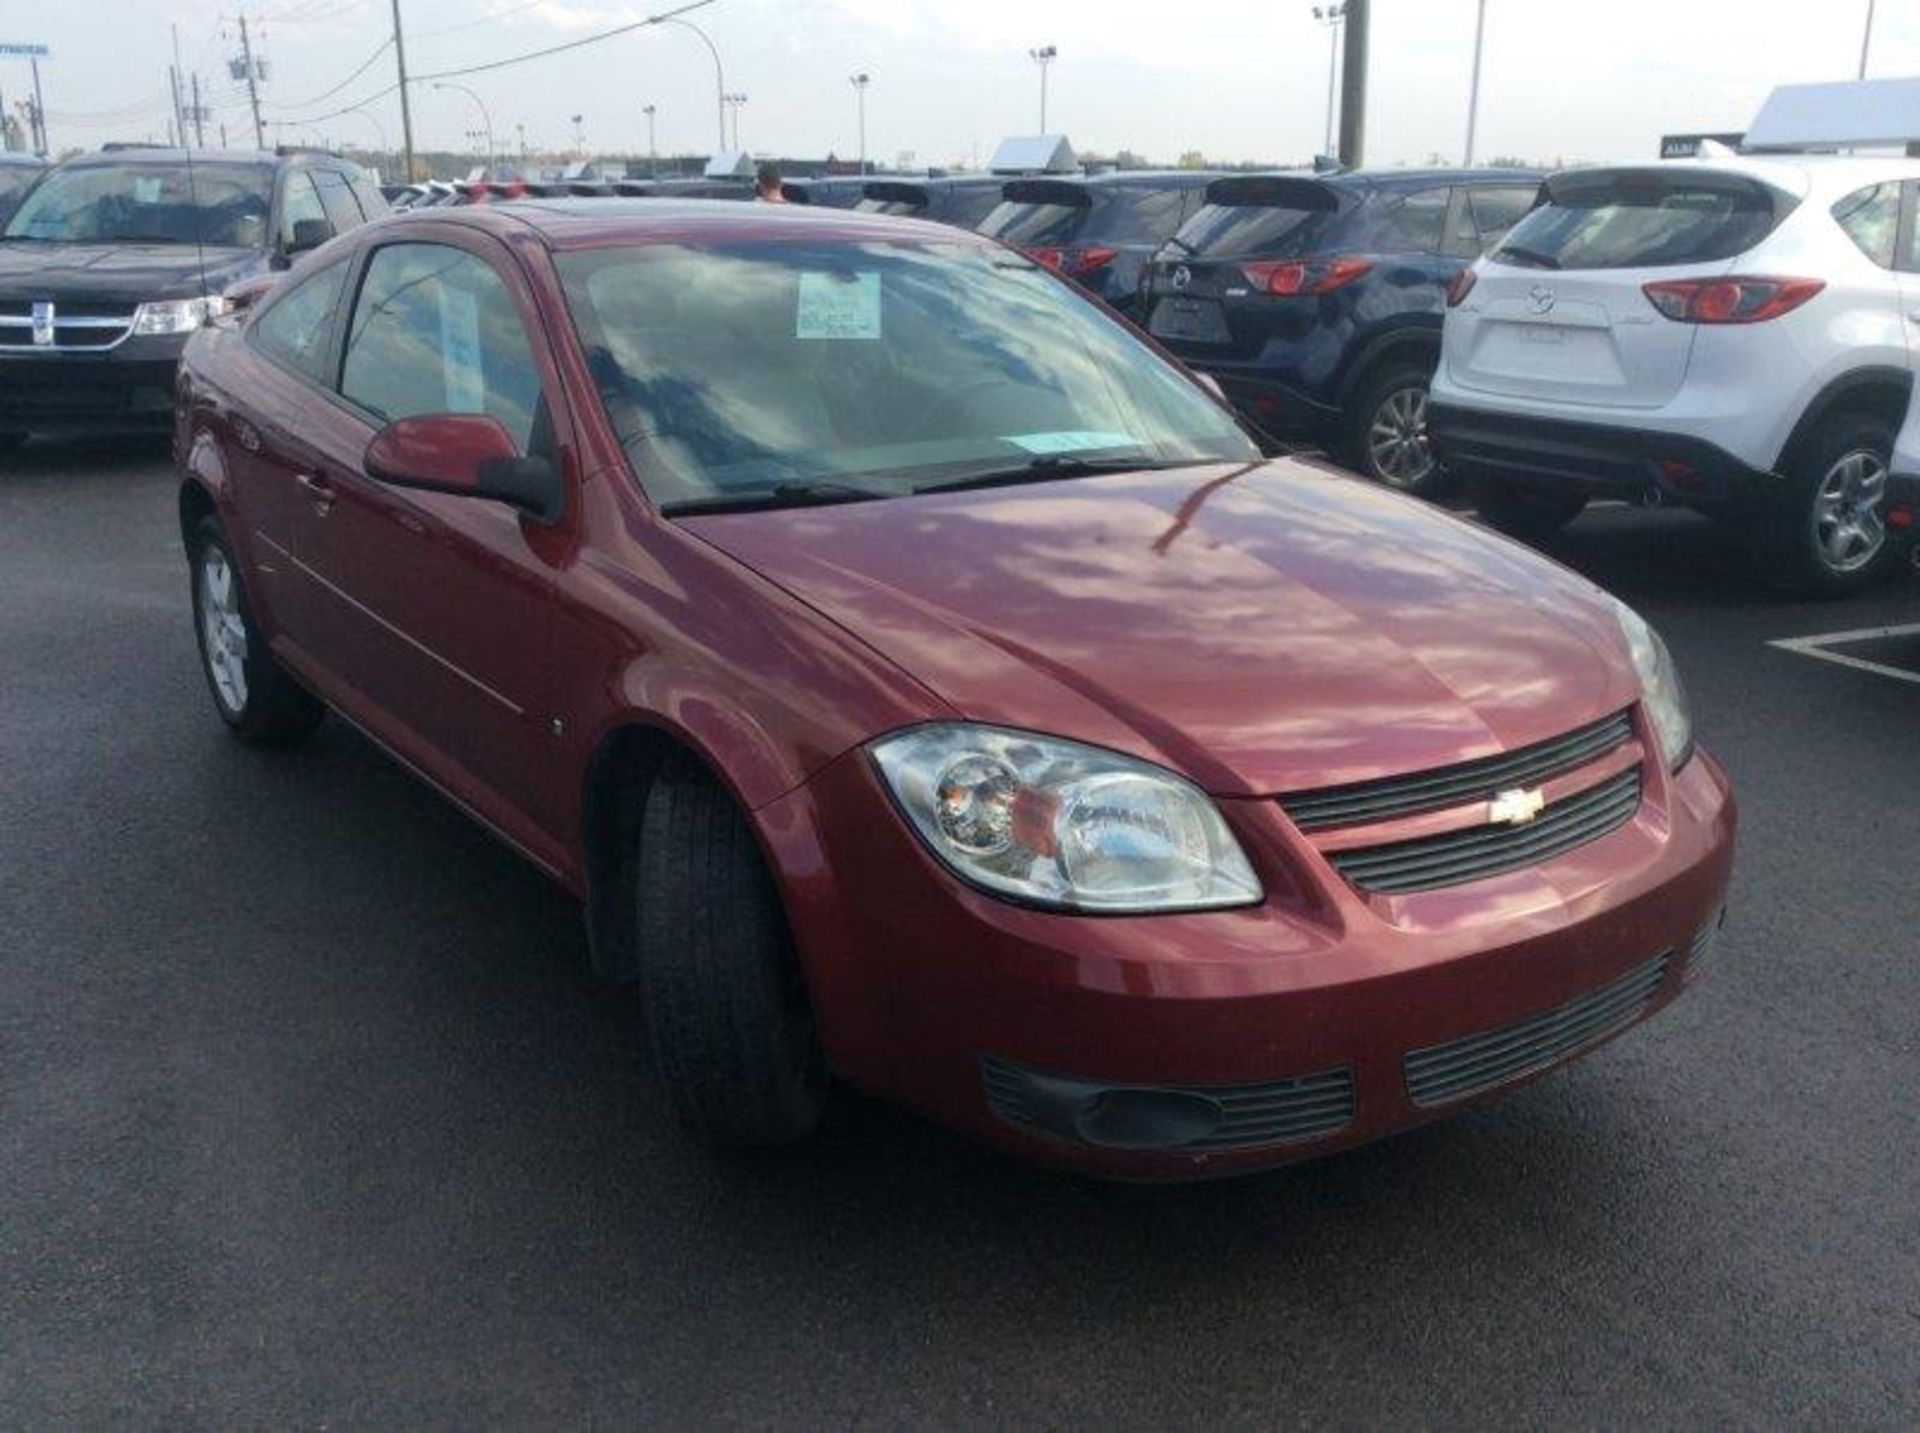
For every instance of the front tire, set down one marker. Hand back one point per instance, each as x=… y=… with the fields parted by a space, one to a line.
x=1530 y=514
x=255 y=697
x=1384 y=430
x=1828 y=536
x=724 y=1001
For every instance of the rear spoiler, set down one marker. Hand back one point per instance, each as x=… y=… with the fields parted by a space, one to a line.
x=895 y=191
x=1064 y=193
x=1274 y=191
x=1665 y=178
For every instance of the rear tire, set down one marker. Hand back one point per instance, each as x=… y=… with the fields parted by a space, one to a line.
x=1530 y=514
x=724 y=1001
x=255 y=697
x=1383 y=429
x=1827 y=535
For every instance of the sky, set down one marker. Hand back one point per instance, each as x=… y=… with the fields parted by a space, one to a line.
x=1562 y=80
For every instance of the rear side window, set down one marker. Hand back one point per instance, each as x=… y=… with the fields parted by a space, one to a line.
x=298 y=328
x=1871 y=217
x=1414 y=221
x=1498 y=209
x=435 y=331
x=1635 y=221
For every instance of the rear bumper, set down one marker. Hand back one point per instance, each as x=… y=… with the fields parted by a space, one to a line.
x=126 y=389
x=1598 y=458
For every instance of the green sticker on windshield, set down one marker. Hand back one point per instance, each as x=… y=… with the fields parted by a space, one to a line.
x=1076 y=441
x=838 y=306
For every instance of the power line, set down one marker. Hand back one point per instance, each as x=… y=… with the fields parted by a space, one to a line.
x=569 y=45
x=360 y=70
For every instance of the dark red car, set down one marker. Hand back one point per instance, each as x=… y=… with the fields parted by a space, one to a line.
x=922 y=681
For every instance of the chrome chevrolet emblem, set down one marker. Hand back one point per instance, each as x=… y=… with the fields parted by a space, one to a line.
x=43 y=323
x=1514 y=808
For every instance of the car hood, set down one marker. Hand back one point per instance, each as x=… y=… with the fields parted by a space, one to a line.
x=135 y=273
x=1263 y=629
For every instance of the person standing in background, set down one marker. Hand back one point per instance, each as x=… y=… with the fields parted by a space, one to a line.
x=766 y=187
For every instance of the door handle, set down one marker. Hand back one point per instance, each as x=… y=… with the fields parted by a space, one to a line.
x=318 y=490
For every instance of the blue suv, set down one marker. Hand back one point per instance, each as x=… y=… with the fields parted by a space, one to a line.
x=1316 y=300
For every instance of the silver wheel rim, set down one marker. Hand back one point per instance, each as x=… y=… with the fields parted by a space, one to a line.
x=1397 y=440
x=223 y=631
x=1849 y=512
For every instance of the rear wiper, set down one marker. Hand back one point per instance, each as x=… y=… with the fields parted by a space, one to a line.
x=1531 y=258
x=1184 y=246
x=1050 y=466
x=780 y=495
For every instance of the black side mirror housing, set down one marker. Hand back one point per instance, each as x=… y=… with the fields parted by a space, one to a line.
x=530 y=484
x=309 y=234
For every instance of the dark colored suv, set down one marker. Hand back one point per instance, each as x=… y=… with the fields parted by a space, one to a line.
x=1317 y=300
x=1100 y=232
x=114 y=258
x=961 y=200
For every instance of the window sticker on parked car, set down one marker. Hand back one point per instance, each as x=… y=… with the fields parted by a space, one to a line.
x=460 y=342
x=1071 y=442
x=837 y=306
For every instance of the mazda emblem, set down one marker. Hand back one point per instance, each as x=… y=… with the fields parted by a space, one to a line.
x=1540 y=299
x=1182 y=276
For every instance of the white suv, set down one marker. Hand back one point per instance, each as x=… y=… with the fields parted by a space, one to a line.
x=1731 y=334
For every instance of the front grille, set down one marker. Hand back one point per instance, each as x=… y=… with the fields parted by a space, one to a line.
x=1480 y=851
x=1701 y=950
x=1446 y=786
x=1279 y=1112
x=75 y=325
x=1440 y=1074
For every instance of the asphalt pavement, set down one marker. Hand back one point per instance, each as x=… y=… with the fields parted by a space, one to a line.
x=310 y=1112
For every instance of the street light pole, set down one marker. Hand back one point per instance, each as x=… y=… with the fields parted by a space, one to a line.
x=1044 y=58
x=1866 y=40
x=486 y=119
x=719 y=75
x=860 y=83
x=1473 y=93
x=733 y=102
x=1330 y=16
x=653 y=154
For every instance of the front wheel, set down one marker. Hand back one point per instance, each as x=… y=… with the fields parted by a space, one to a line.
x=254 y=695
x=1385 y=430
x=1530 y=514
x=726 y=1007
x=1828 y=536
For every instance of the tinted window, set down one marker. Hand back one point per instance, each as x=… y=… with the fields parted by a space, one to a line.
x=1871 y=217
x=1260 y=216
x=1016 y=223
x=343 y=211
x=297 y=327
x=223 y=204
x=739 y=367
x=1641 y=221
x=435 y=331
x=966 y=207
x=1497 y=210
x=13 y=183
x=299 y=204
x=1127 y=215
x=1463 y=237
x=1414 y=221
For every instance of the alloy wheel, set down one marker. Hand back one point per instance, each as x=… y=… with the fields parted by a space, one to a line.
x=1397 y=439
x=1849 y=517
x=223 y=630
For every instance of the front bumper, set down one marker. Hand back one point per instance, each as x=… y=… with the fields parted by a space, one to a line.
x=128 y=388
x=1598 y=458
x=1195 y=1045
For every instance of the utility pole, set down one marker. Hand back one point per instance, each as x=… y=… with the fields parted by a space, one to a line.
x=406 y=107
x=253 y=85
x=1353 y=87
x=38 y=114
x=179 y=115
x=1473 y=92
x=1866 y=40
x=199 y=115
x=653 y=154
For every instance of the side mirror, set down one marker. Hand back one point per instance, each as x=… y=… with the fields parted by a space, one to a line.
x=468 y=454
x=309 y=234
x=243 y=295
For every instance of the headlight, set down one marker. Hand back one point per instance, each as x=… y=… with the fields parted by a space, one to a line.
x=1060 y=824
x=1660 y=686
x=177 y=315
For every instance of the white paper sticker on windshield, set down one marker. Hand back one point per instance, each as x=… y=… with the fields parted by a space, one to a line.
x=146 y=189
x=1072 y=441
x=460 y=351
x=838 y=306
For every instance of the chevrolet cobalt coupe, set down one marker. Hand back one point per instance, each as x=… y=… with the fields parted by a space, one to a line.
x=922 y=682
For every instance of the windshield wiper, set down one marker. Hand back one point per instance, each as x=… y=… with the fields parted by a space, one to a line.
x=1531 y=258
x=780 y=495
x=1182 y=244
x=1054 y=465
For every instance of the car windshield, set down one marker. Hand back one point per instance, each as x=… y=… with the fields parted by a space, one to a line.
x=778 y=370
x=219 y=204
x=14 y=180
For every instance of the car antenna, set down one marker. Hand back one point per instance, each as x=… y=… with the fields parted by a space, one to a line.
x=199 y=227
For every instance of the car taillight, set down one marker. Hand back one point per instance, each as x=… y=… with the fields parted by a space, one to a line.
x=1461 y=286
x=1290 y=278
x=1734 y=300
x=1047 y=258
x=1081 y=262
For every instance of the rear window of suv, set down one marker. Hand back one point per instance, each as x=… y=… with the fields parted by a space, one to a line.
x=1643 y=220
x=1270 y=217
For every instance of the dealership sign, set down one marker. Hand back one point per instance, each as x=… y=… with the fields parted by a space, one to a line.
x=22 y=52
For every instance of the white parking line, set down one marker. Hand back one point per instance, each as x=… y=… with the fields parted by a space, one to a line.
x=1817 y=647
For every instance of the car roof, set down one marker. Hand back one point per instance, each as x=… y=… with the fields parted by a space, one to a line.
x=599 y=223
x=211 y=158
x=22 y=161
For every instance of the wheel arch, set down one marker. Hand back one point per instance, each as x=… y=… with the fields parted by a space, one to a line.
x=1404 y=340
x=1881 y=391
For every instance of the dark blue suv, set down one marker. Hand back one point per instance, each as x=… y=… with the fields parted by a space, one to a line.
x=1316 y=300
